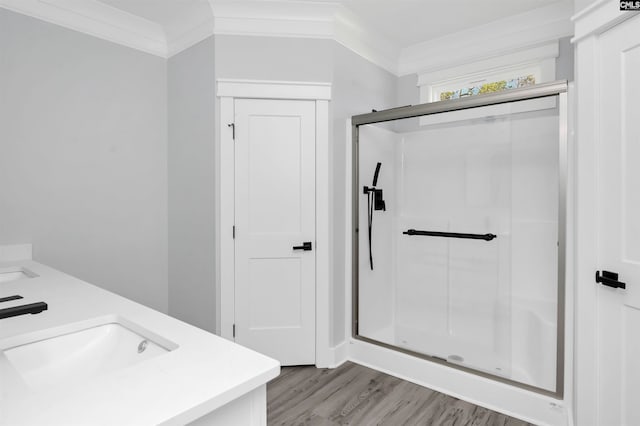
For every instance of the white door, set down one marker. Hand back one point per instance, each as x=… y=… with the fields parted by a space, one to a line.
x=618 y=313
x=274 y=218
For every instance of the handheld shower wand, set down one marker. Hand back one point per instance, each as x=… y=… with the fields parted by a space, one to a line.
x=375 y=201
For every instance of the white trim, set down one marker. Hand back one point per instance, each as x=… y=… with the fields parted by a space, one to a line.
x=273 y=89
x=597 y=18
x=586 y=240
x=570 y=259
x=338 y=355
x=97 y=19
x=189 y=38
x=323 y=235
x=348 y=232
x=272 y=27
x=228 y=90
x=226 y=206
x=499 y=38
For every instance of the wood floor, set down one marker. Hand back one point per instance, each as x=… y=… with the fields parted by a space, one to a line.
x=357 y=395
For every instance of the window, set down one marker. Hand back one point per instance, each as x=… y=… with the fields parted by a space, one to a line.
x=486 y=82
x=481 y=86
x=521 y=68
x=492 y=74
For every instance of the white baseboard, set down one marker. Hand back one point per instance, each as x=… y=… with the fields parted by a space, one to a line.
x=15 y=252
x=338 y=355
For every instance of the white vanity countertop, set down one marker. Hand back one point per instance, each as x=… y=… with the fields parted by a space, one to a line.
x=202 y=374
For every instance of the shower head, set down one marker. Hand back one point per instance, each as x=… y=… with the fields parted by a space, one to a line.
x=375 y=175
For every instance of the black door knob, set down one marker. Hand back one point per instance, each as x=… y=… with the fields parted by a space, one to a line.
x=306 y=246
x=610 y=279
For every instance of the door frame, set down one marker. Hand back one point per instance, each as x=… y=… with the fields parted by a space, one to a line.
x=590 y=24
x=228 y=90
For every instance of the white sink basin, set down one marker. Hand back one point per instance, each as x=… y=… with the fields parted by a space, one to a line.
x=77 y=356
x=8 y=275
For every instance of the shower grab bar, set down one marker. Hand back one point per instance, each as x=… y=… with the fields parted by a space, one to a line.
x=486 y=237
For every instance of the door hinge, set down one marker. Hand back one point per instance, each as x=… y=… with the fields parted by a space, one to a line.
x=234 y=330
x=234 y=232
x=233 y=130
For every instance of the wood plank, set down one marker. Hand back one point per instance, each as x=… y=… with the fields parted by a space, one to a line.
x=356 y=395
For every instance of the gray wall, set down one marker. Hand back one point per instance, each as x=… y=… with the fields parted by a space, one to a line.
x=191 y=90
x=273 y=58
x=83 y=156
x=358 y=87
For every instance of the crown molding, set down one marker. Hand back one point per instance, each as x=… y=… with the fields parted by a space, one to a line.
x=96 y=19
x=274 y=18
x=489 y=41
x=321 y=20
x=356 y=35
x=192 y=26
x=189 y=37
x=597 y=18
x=325 y=20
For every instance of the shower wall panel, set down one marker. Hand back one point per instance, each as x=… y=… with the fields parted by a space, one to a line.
x=376 y=306
x=453 y=294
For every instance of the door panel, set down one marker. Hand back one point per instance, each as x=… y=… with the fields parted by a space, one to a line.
x=619 y=232
x=275 y=211
x=275 y=167
x=284 y=276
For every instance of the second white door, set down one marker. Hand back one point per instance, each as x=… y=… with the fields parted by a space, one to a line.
x=618 y=309
x=275 y=228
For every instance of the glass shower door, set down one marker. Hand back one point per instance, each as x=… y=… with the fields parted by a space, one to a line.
x=458 y=238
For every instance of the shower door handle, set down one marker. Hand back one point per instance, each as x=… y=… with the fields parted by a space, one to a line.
x=610 y=279
x=306 y=246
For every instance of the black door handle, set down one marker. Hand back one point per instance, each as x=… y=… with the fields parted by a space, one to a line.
x=306 y=246
x=610 y=279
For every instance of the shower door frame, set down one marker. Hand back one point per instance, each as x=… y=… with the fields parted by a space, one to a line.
x=556 y=88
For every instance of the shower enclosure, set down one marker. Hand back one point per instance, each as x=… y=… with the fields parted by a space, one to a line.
x=459 y=233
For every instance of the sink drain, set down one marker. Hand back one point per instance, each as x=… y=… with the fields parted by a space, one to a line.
x=142 y=346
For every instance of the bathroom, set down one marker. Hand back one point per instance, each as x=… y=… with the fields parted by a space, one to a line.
x=123 y=165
